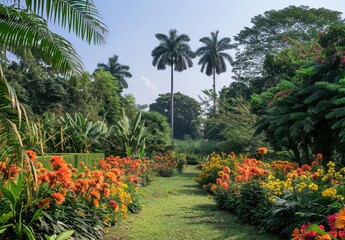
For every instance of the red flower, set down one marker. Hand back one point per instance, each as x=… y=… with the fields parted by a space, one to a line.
x=319 y=156
x=113 y=205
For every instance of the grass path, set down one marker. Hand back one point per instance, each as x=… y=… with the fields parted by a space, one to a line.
x=177 y=209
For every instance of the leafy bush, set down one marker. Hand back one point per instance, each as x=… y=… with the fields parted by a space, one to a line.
x=181 y=161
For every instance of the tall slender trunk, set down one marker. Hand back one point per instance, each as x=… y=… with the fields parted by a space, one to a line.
x=214 y=90
x=172 y=103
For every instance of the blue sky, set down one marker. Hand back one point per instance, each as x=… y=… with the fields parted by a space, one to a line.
x=134 y=23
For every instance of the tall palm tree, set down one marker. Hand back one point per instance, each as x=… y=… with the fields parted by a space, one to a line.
x=174 y=51
x=117 y=70
x=213 y=57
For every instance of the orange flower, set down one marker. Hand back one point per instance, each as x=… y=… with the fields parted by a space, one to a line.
x=225 y=177
x=225 y=186
x=106 y=192
x=213 y=188
x=219 y=181
x=340 y=220
x=32 y=155
x=81 y=164
x=57 y=162
x=95 y=194
x=226 y=170
x=44 y=203
x=58 y=197
x=96 y=203
x=262 y=151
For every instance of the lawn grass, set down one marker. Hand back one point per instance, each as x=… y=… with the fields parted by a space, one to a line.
x=176 y=208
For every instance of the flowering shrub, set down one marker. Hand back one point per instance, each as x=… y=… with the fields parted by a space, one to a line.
x=278 y=195
x=165 y=166
x=335 y=229
x=62 y=197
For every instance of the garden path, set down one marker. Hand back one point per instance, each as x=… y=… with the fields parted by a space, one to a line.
x=176 y=208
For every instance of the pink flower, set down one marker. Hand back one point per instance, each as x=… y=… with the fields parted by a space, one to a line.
x=331 y=220
x=311 y=234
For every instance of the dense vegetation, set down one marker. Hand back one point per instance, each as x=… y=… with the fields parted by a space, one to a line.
x=287 y=94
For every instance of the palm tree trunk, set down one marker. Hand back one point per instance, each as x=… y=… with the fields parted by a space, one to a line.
x=172 y=103
x=214 y=90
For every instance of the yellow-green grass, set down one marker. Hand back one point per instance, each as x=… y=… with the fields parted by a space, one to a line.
x=176 y=208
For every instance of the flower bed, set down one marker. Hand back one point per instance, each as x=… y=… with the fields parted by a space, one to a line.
x=279 y=196
x=37 y=201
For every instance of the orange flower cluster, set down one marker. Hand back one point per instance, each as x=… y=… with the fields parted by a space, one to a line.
x=164 y=165
x=250 y=169
x=109 y=184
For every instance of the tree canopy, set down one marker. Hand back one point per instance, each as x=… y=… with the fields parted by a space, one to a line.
x=269 y=31
x=187 y=113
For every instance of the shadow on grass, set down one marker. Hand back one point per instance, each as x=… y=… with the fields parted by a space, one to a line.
x=191 y=189
x=188 y=175
x=229 y=224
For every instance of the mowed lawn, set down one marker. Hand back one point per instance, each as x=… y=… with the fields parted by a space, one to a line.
x=176 y=208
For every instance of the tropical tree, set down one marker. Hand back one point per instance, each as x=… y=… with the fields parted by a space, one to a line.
x=119 y=71
x=187 y=112
x=305 y=113
x=174 y=51
x=213 y=57
x=269 y=32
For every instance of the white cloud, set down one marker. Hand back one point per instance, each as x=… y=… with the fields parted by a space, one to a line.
x=149 y=84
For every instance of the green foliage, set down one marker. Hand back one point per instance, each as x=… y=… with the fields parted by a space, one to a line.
x=181 y=161
x=298 y=114
x=105 y=92
x=275 y=28
x=24 y=26
x=252 y=203
x=196 y=150
x=130 y=135
x=157 y=132
x=16 y=214
x=187 y=111
x=62 y=236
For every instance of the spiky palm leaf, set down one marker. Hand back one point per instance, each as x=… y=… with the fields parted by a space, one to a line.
x=26 y=28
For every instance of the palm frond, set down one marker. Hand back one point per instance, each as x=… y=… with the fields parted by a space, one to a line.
x=21 y=30
x=78 y=16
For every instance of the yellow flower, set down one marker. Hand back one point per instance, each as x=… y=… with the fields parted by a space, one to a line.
x=313 y=187
x=330 y=192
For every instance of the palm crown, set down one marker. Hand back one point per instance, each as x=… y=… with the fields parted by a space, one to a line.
x=173 y=50
x=213 y=57
x=117 y=70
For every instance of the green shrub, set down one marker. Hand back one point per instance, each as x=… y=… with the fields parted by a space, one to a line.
x=181 y=161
